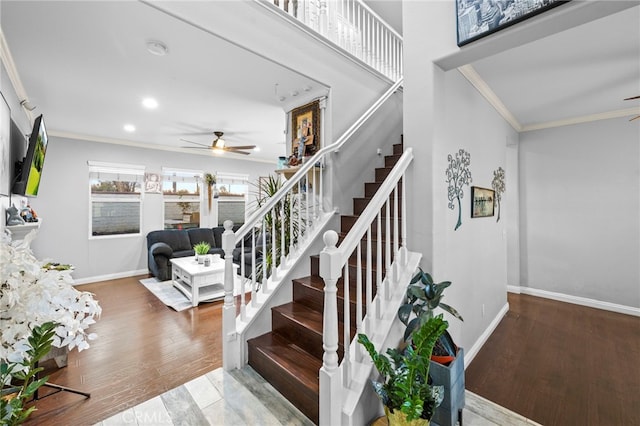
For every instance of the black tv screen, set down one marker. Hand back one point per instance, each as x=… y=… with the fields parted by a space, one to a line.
x=30 y=172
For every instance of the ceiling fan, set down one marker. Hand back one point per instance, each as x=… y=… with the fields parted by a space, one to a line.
x=220 y=145
x=628 y=99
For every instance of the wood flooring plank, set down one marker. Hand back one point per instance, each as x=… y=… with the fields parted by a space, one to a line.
x=561 y=364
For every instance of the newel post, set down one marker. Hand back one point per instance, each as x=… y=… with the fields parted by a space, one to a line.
x=330 y=377
x=230 y=352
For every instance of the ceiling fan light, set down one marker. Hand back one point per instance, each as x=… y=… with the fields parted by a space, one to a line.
x=219 y=143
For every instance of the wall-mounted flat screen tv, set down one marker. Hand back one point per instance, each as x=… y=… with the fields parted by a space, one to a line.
x=479 y=18
x=29 y=171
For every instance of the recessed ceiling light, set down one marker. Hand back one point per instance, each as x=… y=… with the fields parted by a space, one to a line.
x=129 y=128
x=150 y=103
x=157 y=48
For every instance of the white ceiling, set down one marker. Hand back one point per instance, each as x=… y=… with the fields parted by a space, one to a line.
x=85 y=66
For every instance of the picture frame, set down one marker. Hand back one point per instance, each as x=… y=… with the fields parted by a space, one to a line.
x=482 y=202
x=479 y=18
x=152 y=183
x=305 y=126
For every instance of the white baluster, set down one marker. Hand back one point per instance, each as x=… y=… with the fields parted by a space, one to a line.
x=274 y=244
x=330 y=379
x=404 y=258
x=379 y=287
x=283 y=242
x=231 y=356
x=254 y=299
x=264 y=258
x=346 y=361
x=360 y=326
x=243 y=307
x=369 y=292
x=387 y=246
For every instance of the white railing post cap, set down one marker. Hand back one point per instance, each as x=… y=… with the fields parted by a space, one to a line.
x=330 y=239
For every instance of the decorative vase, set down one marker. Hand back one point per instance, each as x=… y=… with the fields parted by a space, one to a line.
x=201 y=258
x=398 y=418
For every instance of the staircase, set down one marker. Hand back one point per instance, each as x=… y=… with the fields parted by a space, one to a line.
x=290 y=356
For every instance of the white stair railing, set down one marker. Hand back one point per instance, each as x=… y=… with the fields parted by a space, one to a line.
x=353 y=26
x=386 y=206
x=296 y=206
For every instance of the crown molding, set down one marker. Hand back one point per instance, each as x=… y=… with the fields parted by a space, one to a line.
x=481 y=86
x=582 y=119
x=134 y=144
x=14 y=77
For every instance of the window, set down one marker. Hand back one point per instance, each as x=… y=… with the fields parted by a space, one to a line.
x=181 y=193
x=232 y=199
x=116 y=198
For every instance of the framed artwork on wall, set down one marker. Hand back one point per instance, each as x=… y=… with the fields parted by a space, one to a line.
x=305 y=129
x=482 y=202
x=5 y=143
x=479 y=18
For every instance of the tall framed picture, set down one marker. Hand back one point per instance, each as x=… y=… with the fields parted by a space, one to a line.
x=5 y=143
x=305 y=129
x=482 y=202
x=479 y=18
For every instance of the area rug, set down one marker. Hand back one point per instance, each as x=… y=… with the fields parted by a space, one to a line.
x=171 y=296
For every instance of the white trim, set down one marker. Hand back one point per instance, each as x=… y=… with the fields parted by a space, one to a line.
x=98 y=278
x=485 y=91
x=582 y=119
x=577 y=300
x=514 y=289
x=14 y=77
x=489 y=95
x=100 y=139
x=471 y=353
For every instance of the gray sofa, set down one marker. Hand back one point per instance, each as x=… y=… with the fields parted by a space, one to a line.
x=170 y=243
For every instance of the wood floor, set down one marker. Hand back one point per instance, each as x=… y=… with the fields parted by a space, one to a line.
x=143 y=349
x=561 y=364
x=555 y=363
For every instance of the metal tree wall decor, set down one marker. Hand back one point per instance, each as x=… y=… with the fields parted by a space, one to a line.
x=458 y=175
x=499 y=187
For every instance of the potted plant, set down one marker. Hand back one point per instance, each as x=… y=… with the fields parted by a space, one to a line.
x=287 y=217
x=405 y=392
x=39 y=309
x=201 y=249
x=424 y=295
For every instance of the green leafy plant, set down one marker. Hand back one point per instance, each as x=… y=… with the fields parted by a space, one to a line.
x=405 y=373
x=285 y=216
x=423 y=297
x=202 y=247
x=14 y=397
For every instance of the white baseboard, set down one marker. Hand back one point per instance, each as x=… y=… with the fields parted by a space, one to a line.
x=471 y=353
x=576 y=300
x=89 y=280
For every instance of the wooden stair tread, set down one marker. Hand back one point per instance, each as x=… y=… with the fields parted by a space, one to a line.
x=301 y=365
x=305 y=316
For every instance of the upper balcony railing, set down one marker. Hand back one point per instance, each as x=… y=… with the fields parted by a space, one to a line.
x=354 y=27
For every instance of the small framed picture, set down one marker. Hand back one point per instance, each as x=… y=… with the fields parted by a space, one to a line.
x=152 y=183
x=482 y=202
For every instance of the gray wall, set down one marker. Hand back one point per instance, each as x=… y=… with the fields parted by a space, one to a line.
x=580 y=198
x=63 y=204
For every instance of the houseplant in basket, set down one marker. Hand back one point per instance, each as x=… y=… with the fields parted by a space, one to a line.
x=405 y=392
x=39 y=309
x=424 y=295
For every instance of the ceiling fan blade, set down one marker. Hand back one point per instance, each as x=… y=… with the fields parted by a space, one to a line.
x=233 y=148
x=637 y=116
x=197 y=143
x=196 y=147
x=239 y=152
x=633 y=97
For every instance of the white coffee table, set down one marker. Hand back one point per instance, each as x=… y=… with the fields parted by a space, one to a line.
x=198 y=282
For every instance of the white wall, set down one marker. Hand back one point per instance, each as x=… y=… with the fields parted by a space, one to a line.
x=580 y=198
x=63 y=204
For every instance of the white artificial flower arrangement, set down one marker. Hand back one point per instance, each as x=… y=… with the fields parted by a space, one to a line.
x=31 y=295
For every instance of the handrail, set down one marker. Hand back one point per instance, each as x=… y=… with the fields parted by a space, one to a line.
x=358 y=229
x=334 y=147
x=336 y=378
